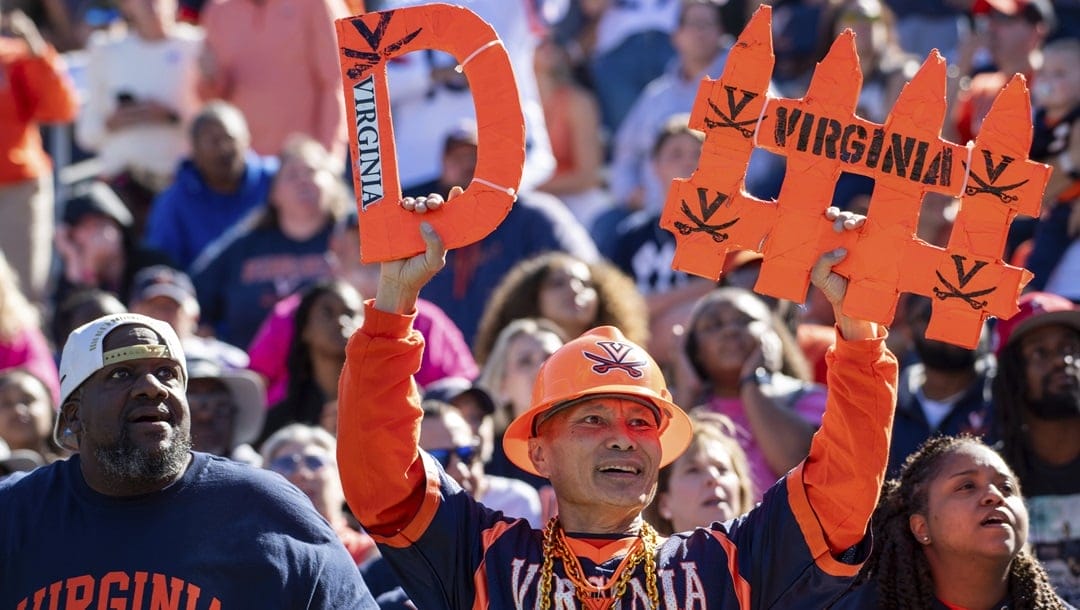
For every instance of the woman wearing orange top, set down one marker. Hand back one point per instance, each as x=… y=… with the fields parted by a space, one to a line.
x=34 y=89
x=573 y=123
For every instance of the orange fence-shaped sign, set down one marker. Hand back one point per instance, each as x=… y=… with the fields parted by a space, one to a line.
x=367 y=43
x=710 y=213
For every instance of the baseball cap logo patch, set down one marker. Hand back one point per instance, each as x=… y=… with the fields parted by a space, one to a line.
x=618 y=357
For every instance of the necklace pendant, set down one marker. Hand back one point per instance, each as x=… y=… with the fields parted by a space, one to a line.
x=598 y=603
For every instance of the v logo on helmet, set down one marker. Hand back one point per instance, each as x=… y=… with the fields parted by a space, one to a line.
x=616 y=358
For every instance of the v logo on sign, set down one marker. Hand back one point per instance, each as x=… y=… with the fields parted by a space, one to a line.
x=708 y=208
x=373 y=38
x=993 y=172
x=370 y=59
x=727 y=120
x=963 y=277
x=736 y=107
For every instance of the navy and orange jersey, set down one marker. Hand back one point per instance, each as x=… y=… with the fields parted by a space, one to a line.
x=798 y=549
x=224 y=536
x=1051 y=139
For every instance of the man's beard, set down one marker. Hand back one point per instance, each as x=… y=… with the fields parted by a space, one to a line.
x=943 y=356
x=123 y=460
x=1056 y=405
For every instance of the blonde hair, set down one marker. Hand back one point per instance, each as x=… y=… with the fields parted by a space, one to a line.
x=310 y=151
x=16 y=311
x=301 y=434
x=494 y=369
x=708 y=427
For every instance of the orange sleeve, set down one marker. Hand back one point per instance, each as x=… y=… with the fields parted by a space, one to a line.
x=379 y=423
x=844 y=471
x=50 y=92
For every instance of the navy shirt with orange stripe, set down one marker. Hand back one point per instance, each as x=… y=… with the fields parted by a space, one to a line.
x=798 y=549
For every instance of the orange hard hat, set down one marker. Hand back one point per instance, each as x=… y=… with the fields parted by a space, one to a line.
x=601 y=362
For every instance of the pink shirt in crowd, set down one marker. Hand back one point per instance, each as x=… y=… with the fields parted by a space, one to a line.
x=30 y=351
x=445 y=352
x=810 y=406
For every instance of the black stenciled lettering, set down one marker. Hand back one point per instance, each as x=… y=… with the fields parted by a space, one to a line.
x=920 y=159
x=831 y=138
x=899 y=153
x=819 y=136
x=785 y=126
x=852 y=149
x=875 y=148
x=804 y=132
x=933 y=171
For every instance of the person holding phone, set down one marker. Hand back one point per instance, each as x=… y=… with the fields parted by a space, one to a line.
x=140 y=97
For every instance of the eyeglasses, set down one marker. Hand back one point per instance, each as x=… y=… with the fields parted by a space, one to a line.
x=288 y=464
x=465 y=455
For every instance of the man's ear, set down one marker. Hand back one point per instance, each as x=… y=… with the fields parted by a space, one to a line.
x=70 y=414
x=538 y=452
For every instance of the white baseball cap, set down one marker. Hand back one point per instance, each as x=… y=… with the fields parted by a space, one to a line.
x=85 y=355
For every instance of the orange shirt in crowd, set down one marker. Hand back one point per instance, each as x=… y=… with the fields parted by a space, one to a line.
x=277 y=61
x=33 y=90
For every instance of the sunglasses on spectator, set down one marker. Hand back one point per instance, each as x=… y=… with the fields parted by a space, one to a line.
x=465 y=454
x=288 y=464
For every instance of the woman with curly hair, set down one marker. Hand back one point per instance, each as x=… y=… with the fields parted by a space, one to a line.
x=950 y=533
x=573 y=294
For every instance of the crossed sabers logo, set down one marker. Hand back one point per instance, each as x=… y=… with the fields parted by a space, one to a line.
x=734 y=108
x=701 y=225
x=963 y=277
x=617 y=354
x=370 y=59
x=993 y=171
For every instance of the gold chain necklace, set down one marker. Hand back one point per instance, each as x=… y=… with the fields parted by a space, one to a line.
x=643 y=550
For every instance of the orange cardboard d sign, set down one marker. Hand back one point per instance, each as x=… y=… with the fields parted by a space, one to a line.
x=367 y=43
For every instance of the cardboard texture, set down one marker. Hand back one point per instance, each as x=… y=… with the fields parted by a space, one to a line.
x=367 y=43
x=710 y=213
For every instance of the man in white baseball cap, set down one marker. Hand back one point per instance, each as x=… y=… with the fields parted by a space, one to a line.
x=137 y=514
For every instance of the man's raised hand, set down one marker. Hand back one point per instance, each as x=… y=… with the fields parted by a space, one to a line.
x=400 y=280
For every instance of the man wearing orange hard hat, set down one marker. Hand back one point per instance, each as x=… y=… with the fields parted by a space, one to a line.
x=601 y=425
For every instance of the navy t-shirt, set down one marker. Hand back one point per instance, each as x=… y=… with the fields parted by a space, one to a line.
x=224 y=536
